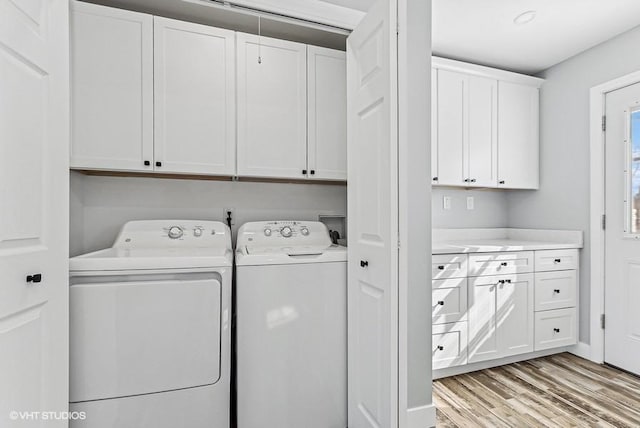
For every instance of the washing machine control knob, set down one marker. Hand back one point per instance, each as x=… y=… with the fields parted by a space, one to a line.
x=197 y=232
x=286 y=232
x=304 y=231
x=267 y=232
x=175 y=232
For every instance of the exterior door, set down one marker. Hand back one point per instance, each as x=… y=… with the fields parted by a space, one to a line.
x=622 y=235
x=194 y=98
x=34 y=186
x=372 y=197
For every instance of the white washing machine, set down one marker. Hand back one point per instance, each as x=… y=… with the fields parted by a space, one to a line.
x=291 y=326
x=150 y=328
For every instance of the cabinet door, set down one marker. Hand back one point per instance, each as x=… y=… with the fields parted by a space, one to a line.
x=514 y=315
x=451 y=122
x=482 y=148
x=112 y=88
x=482 y=318
x=434 y=126
x=194 y=98
x=327 y=113
x=272 y=107
x=518 y=145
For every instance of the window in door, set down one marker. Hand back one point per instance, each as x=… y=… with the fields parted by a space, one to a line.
x=632 y=175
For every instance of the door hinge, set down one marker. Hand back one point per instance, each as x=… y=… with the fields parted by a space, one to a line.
x=602 y=321
x=604 y=222
x=604 y=123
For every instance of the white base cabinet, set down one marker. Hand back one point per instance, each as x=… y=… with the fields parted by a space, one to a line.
x=516 y=302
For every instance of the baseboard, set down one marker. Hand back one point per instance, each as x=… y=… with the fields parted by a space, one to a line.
x=582 y=350
x=421 y=417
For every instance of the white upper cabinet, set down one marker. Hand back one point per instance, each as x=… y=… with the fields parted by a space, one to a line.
x=194 y=98
x=272 y=107
x=485 y=127
x=326 y=113
x=112 y=88
x=518 y=144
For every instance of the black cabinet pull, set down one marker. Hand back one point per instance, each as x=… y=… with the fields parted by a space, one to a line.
x=556 y=291
x=440 y=348
x=35 y=278
x=441 y=302
x=501 y=182
x=507 y=281
x=158 y=164
x=312 y=172
x=466 y=180
x=557 y=260
x=147 y=163
x=556 y=330
x=435 y=178
x=503 y=264
x=441 y=267
x=364 y=263
x=304 y=172
x=501 y=281
x=473 y=180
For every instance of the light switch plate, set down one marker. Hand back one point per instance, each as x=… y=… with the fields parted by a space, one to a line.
x=470 y=203
x=446 y=202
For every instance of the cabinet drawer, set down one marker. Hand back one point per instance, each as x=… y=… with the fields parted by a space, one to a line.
x=449 y=300
x=555 y=328
x=449 y=266
x=500 y=263
x=555 y=290
x=556 y=260
x=449 y=345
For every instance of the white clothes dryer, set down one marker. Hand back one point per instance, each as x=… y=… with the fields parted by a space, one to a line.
x=150 y=328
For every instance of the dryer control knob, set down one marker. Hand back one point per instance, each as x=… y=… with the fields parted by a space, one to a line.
x=197 y=232
x=175 y=232
x=304 y=231
x=286 y=232
x=267 y=232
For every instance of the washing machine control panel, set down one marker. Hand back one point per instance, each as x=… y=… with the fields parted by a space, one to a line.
x=284 y=232
x=285 y=229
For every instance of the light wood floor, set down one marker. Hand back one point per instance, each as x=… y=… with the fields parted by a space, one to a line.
x=557 y=391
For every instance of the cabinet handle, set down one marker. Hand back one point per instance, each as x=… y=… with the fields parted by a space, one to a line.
x=508 y=281
x=158 y=164
x=501 y=182
x=556 y=261
x=441 y=302
x=504 y=264
x=304 y=172
x=556 y=330
x=147 y=163
x=312 y=172
x=440 y=348
x=435 y=178
x=466 y=180
x=501 y=281
x=35 y=278
x=473 y=180
x=441 y=267
x=364 y=263
x=556 y=291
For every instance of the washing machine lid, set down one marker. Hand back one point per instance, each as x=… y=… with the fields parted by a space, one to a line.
x=161 y=245
x=286 y=242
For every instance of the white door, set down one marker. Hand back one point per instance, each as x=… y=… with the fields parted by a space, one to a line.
x=34 y=186
x=327 y=113
x=482 y=146
x=622 y=235
x=111 y=88
x=518 y=145
x=372 y=196
x=451 y=122
x=194 y=98
x=272 y=107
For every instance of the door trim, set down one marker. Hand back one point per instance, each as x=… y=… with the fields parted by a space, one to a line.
x=597 y=207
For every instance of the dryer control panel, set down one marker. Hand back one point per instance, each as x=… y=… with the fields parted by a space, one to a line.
x=175 y=233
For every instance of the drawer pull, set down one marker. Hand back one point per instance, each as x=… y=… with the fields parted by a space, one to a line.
x=557 y=291
x=556 y=261
x=556 y=330
x=364 y=263
x=35 y=278
x=440 y=348
x=504 y=264
x=441 y=267
x=502 y=281
x=441 y=302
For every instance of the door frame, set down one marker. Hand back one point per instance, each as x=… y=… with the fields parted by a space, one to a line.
x=598 y=209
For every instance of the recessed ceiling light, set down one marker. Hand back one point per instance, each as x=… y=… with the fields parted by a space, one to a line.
x=525 y=17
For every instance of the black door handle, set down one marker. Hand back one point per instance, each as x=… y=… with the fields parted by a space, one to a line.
x=364 y=263
x=35 y=278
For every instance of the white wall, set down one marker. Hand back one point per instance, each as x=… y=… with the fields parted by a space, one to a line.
x=100 y=205
x=563 y=199
x=491 y=208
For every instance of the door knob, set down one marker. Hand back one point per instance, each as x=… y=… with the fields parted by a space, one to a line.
x=364 y=263
x=35 y=278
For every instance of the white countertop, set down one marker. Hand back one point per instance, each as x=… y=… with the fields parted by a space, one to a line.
x=450 y=241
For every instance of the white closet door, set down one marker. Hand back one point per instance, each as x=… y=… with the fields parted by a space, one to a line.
x=34 y=218
x=452 y=128
x=482 y=149
x=372 y=194
x=272 y=107
x=112 y=88
x=518 y=145
x=327 y=113
x=194 y=98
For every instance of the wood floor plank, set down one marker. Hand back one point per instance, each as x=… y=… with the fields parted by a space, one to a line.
x=557 y=391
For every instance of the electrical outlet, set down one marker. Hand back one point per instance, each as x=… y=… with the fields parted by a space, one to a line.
x=470 y=203
x=229 y=212
x=446 y=202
